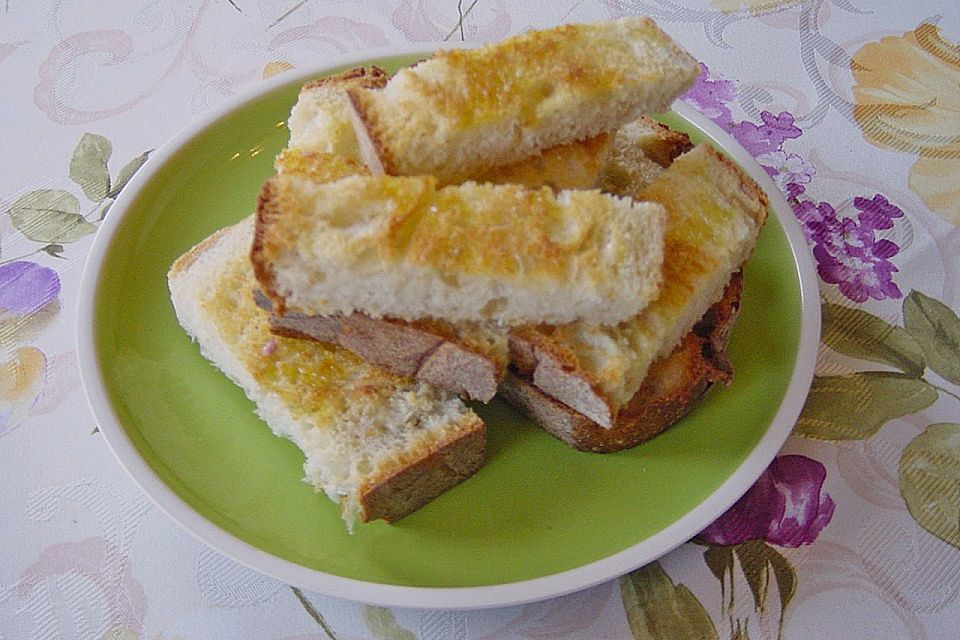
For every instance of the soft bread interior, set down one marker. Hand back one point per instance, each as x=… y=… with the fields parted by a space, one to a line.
x=403 y=247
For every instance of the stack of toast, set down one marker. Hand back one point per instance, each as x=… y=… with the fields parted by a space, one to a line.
x=503 y=220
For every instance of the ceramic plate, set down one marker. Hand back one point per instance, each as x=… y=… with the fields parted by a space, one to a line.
x=539 y=520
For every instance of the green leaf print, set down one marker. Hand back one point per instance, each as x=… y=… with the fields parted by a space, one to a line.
x=755 y=570
x=383 y=625
x=53 y=250
x=759 y=560
x=936 y=329
x=88 y=166
x=930 y=480
x=127 y=172
x=854 y=406
x=50 y=216
x=720 y=561
x=741 y=632
x=657 y=609
x=786 y=578
x=865 y=336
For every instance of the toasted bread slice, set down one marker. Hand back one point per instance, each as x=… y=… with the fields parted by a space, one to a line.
x=404 y=248
x=467 y=358
x=380 y=445
x=470 y=359
x=715 y=213
x=461 y=112
x=320 y=126
x=674 y=385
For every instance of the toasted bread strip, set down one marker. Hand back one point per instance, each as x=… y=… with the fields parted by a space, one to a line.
x=575 y=165
x=467 y=359
x=715 y=213
x=380 y=445
x=462 y=112
x=471 y=359
x=674 y=384
x=320 y=125
x=404 y=248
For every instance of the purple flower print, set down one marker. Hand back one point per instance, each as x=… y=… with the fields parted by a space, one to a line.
x=26 y=287
x=817 y=219
x=793 y=191
x=846 y=250
x=767 y=137
x=877 y=213
x=785 y=507
x=786 y=168
x=710 y=96
x=859 y=275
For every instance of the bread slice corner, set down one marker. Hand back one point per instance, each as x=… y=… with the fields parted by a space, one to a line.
x=673 y=386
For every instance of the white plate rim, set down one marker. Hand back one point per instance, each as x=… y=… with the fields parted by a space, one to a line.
x=507 y=594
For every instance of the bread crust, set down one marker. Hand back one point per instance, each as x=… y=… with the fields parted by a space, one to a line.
x=674 y=385
x=375 y=154
x=267 y=211
x=392 y=496
x=372 y=77
x=405 y=348
x=669 y=144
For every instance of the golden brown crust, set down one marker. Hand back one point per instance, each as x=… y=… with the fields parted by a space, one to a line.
x=372 y=77
x=415 y=349
x=673 y=386
x=184 y=262
x=267 y=211
x=374 y=152
x=669 y=143
x=445 y=465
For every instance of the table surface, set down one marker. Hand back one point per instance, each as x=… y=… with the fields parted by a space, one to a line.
x=853 y=532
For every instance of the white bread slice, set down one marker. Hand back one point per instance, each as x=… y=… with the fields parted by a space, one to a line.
x=461 y=112
x=320 y=120
x=320 y=126
x=715 y=213
x=378 y=444
x=404 y=248
x=470 y=359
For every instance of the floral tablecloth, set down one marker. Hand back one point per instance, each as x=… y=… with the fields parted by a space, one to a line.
x=852 y=106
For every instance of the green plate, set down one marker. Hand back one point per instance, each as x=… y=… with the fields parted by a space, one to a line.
x=538 y=510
